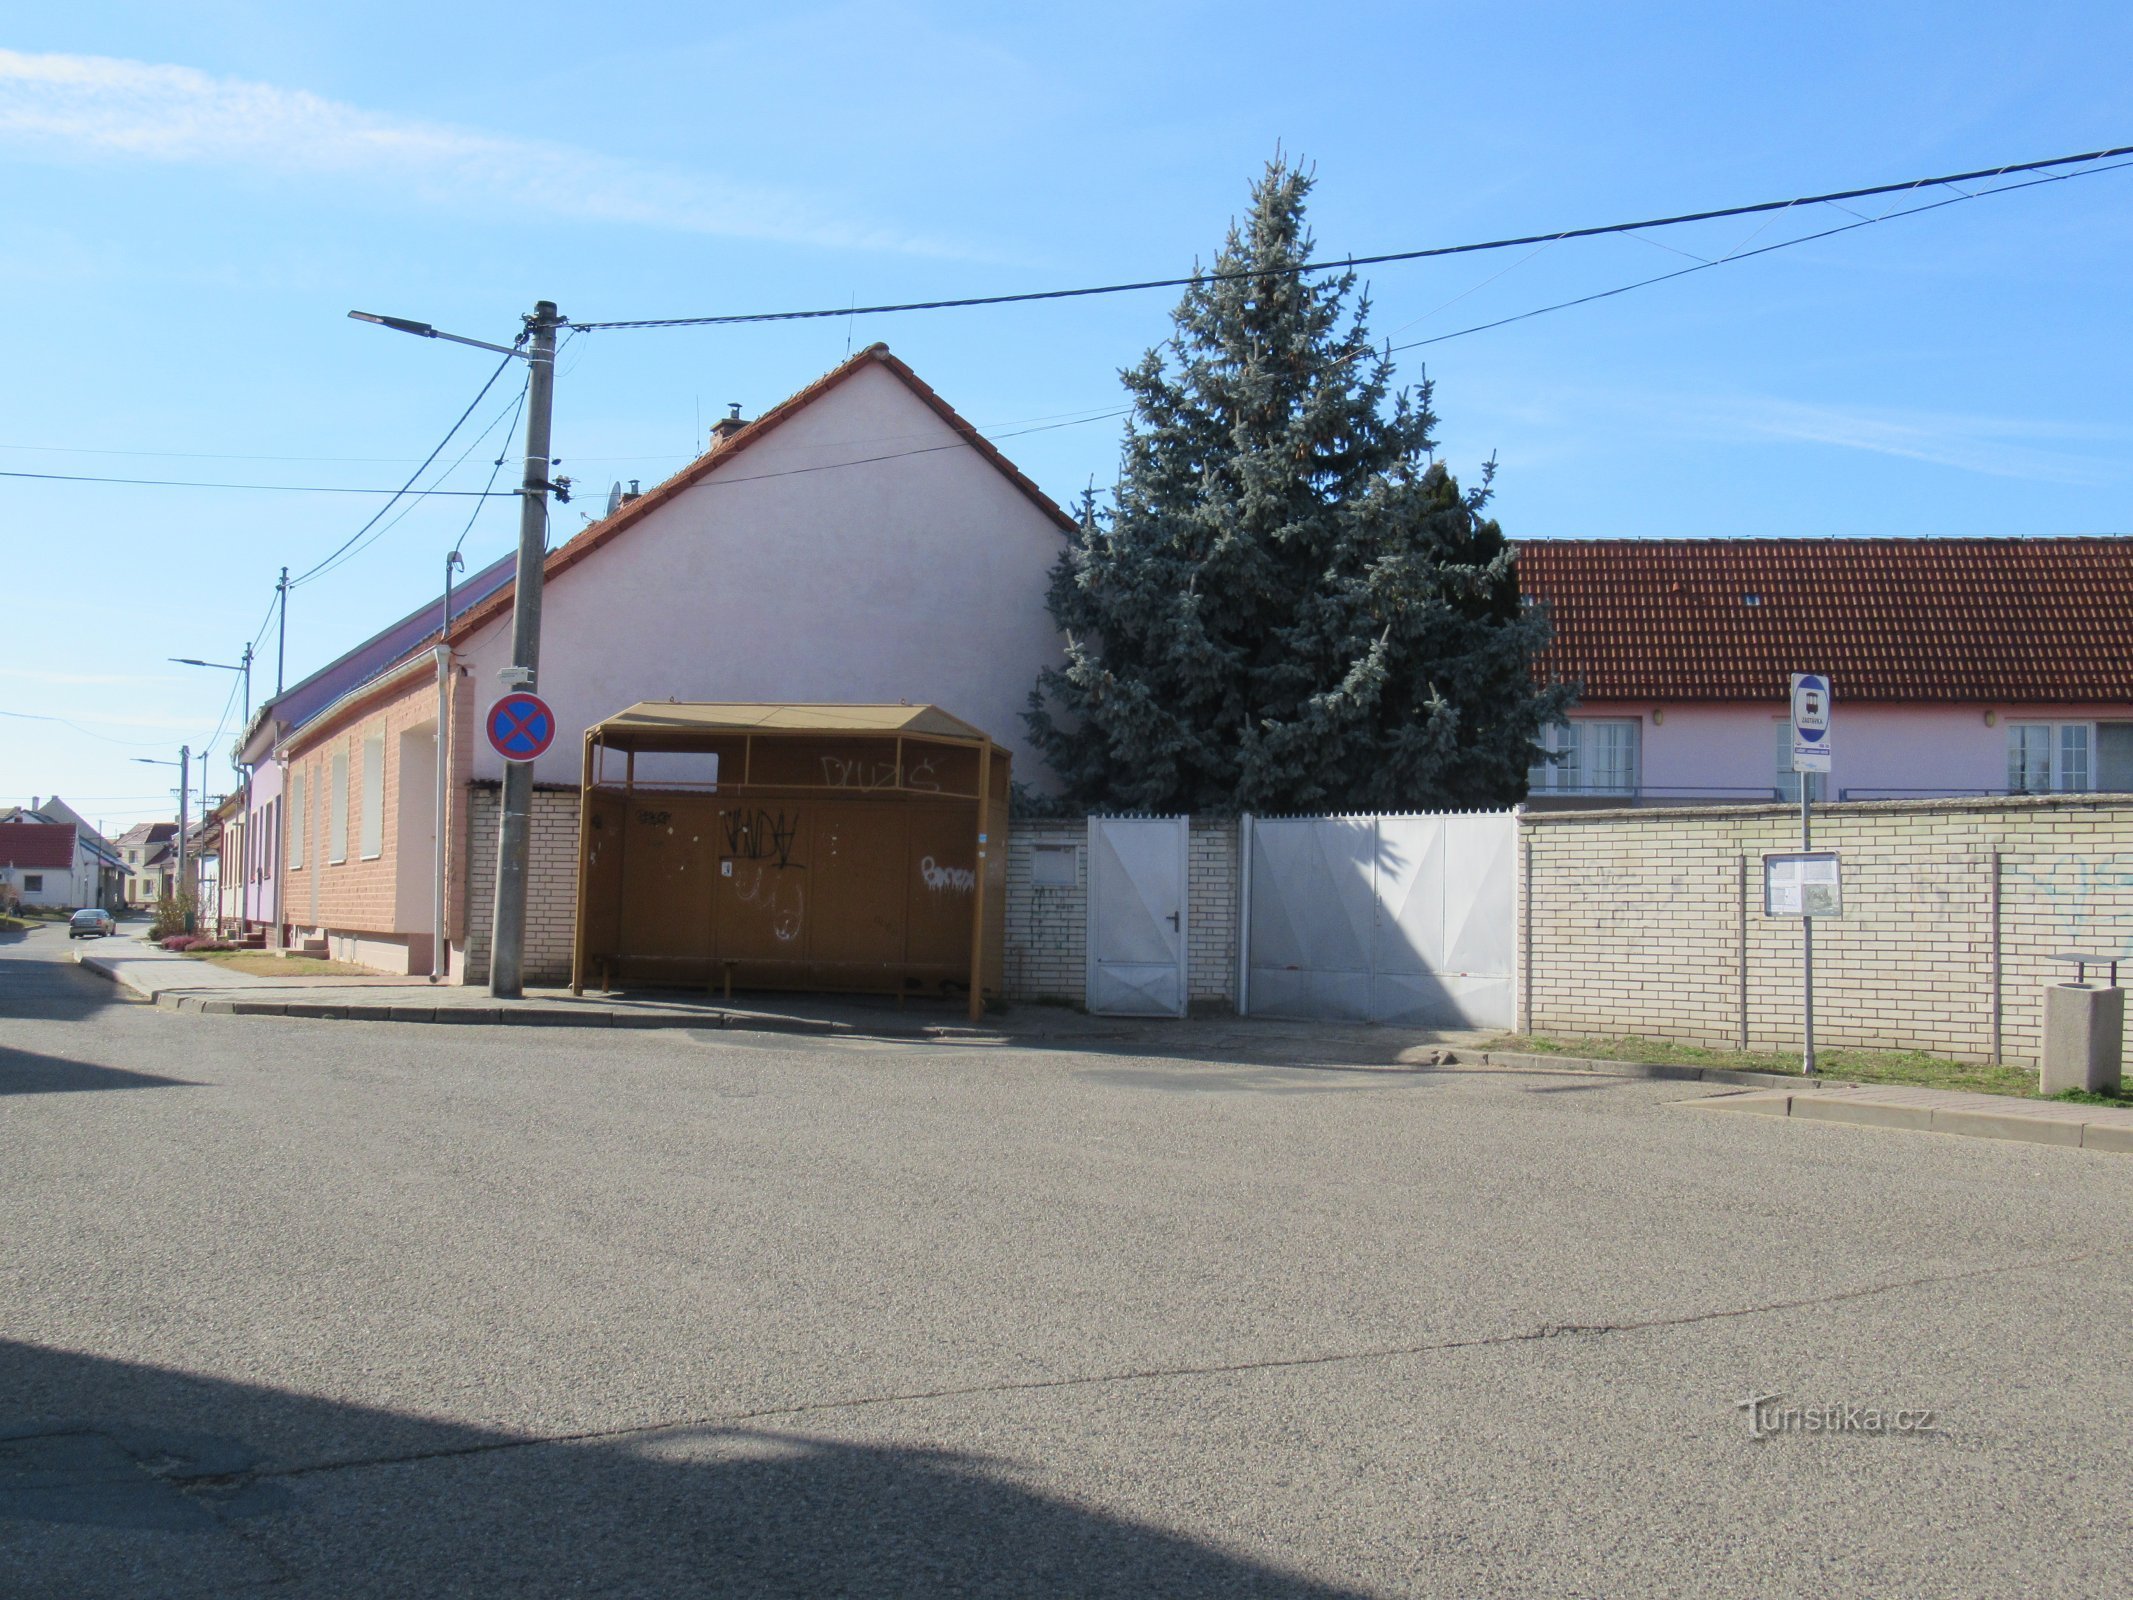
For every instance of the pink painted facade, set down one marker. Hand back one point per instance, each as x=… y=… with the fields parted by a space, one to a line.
x=1719 y=751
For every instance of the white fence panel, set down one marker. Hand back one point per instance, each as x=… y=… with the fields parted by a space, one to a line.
x=1383 y=919
x=1137 y=931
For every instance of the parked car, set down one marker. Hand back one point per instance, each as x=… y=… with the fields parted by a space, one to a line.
x=90 y=920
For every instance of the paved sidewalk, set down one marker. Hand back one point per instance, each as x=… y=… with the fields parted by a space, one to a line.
x=1976 y=1116
x=181 y=983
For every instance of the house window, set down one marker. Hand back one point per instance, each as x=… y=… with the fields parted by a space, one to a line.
x=1599 y=756
x=297 y=816
x=33 y=883
x=337 y=808
x=1788 y=781
x=2044 y=757
x=373 y=796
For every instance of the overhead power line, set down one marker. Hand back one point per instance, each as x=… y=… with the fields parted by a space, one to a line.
x=1834 y=197
x=449 y=433
x=486 y=493
x=89 y=733
x=271 y=488
x=1744 y=255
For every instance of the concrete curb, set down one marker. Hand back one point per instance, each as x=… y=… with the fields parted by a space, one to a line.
x=530 y=1016
x=1816 y=1105
x=1963 y=1122
x=1640 y=1069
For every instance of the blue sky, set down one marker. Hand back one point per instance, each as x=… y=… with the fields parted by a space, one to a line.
x=193 y=196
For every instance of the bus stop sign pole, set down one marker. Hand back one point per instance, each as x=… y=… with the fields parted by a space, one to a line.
x=1810 y=755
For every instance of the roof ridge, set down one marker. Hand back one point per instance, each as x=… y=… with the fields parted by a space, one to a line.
x=596 y=534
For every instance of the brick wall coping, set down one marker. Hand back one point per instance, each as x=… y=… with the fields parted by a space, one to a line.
x=1833 y=809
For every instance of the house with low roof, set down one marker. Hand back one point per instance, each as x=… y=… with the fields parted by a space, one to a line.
x=1957 y=666
x=254 y=840
x=52 y=864
x=858 y=542
x=149 y=853
x=98 y=868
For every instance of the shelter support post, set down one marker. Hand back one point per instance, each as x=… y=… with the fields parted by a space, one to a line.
x=977 y=899
x=585 y=790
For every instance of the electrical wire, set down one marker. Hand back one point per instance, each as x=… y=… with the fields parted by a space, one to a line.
x=192 y=483
x=90 y=733
x=1744 y=255
x=417 y=498
x=479 y=396
x=494 y=469
x=1347 y=262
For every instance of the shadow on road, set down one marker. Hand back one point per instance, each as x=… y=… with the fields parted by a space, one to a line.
x=112 y=1474
x=30 y=1072
x=39 y=980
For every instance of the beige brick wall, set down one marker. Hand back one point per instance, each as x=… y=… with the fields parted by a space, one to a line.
x=551 y=883
x=355 y=895
x=1211 y=920
x=1633 y=921
x=1047 y=928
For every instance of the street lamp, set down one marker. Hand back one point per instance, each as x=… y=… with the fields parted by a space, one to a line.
x=536 y=347
x=244 y=872
x=184 y=764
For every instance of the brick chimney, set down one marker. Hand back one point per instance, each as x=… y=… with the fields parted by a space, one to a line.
x=727 y=426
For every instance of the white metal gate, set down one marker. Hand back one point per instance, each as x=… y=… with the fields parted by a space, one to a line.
x=1382 y=919
x=1137 y=916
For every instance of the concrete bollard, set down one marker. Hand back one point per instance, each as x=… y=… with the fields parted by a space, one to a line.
x=2084 y=1038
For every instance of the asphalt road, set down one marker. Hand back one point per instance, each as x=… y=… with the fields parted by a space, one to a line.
x=339 y=1309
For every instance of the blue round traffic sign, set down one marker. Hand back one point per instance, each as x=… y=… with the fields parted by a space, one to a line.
x=521 y=726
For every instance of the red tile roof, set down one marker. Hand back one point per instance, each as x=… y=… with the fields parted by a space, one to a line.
x=565 y=556
x=37 y=844
x=2044 y=620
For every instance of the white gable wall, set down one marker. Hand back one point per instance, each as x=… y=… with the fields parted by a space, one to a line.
x=802 y=571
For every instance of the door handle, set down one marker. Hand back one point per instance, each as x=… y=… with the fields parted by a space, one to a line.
x=1173 y=922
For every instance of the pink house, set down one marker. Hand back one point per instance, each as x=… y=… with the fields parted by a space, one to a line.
x=1958 y=666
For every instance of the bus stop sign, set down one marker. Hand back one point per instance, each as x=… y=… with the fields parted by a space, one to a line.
x=1810 y=722
x=521 y=726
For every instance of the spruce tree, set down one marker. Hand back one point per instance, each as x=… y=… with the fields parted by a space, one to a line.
x=1290 y=606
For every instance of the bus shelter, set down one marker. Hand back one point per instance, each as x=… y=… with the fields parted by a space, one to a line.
x=839 y=848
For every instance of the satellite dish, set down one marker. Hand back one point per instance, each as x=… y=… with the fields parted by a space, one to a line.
x=614 y=498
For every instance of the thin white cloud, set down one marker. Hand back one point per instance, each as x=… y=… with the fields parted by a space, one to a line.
x=99 y=106
x=2000 y=447
x=1568 y=420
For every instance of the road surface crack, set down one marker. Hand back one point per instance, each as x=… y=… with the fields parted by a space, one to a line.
x=1539 y=1333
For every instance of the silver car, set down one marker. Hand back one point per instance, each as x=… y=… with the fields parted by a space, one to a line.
x=90 y=920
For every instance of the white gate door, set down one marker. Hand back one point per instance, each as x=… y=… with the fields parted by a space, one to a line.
x=1137 y=916
x=1383 y=919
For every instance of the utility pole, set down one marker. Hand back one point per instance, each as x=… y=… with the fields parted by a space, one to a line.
x=185 y=780
x=281 y=642
x=507 y=944
x=536 y=347
x=244 y=834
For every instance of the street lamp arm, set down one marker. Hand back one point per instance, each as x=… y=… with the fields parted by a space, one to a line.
x=422 y=330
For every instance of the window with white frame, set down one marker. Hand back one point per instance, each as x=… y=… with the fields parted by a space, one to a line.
x=337 y=808
x=373 y=795
x=2043 y=757
x=297 y=816
x=1788 y=781
x=1596 y=755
